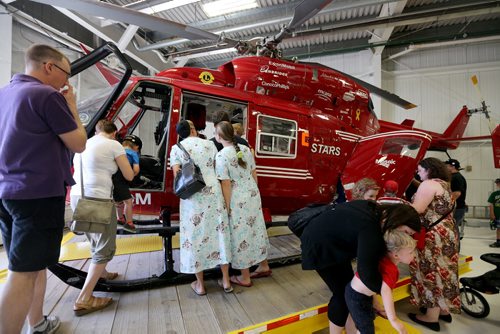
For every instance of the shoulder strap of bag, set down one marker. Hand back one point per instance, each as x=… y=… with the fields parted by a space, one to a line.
x=442 y=217
x=184 y=150
x=81 y=176
x=81 y=179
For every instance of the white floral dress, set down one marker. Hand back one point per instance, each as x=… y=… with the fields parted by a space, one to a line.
x=204 y=225
x=249 y=241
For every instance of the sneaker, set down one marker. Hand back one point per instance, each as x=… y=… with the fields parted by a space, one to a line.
x=121 y=222
x=48 y=326
x=496 y=244
x=130 y=227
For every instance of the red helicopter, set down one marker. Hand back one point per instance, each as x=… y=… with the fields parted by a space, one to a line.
x=313 y=130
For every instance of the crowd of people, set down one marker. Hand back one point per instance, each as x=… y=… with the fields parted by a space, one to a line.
x=220 y=226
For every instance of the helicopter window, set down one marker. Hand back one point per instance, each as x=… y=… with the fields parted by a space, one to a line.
x=88 y=107
x=201 y=110
x=276 y=137
x=407 y=147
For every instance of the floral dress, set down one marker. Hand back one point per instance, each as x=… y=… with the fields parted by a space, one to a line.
x=204 y=225
x=249 y=242
x=434 y=271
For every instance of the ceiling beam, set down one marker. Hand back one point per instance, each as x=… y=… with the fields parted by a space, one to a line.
x=382 y=35
x=114 y=34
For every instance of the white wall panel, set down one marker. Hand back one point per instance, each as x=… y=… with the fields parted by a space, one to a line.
x=438 y=82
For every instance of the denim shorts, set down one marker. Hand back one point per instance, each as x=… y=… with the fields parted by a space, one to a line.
x=361 y=310
x=32 y=231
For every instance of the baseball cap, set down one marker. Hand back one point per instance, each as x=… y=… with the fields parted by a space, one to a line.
x=134 y=139
x=497 y=180
x=391 y=186
x=454 y=163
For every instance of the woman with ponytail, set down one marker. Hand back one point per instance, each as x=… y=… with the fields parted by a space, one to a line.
x=236 y=170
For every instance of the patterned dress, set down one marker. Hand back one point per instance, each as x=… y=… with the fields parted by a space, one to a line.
x=249 y=242
x=434 y=272
x=204 y=225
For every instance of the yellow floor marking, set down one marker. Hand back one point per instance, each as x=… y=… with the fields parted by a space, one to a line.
x=313 y=319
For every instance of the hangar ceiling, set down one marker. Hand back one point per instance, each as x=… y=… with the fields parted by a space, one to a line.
x=341 y=26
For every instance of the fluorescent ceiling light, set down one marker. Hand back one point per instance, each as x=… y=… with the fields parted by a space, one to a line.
x=222 y=7
x=166 y=6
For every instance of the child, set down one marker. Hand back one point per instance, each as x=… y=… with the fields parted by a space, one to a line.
x=359 y=299
x=366 y=189
x=121 y=189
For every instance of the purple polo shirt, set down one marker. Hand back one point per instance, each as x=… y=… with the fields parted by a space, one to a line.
x=34 y=162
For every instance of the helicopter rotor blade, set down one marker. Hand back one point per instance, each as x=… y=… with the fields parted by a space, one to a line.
x=130 y=16
x=386 y=95
x=484 y=107
x=305 y=10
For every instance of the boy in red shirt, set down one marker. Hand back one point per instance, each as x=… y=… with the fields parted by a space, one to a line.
x=359 y=299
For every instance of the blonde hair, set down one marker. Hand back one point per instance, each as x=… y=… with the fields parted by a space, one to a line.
x=362 y=186
x=238 y=129
x=397 y=240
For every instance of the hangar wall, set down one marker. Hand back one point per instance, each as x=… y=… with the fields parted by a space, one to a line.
x=438 y=81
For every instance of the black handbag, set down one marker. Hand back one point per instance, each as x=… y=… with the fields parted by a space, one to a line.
x=188 y=180
x=298 y=220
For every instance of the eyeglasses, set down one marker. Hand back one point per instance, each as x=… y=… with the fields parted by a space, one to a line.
x=62 y=69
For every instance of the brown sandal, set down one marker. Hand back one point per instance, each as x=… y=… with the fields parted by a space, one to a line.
x=91 y=305
x=110 y=276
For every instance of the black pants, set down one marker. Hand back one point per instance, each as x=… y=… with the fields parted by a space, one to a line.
x=336 y=278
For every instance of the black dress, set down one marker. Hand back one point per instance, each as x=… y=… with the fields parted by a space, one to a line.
x=332 y=240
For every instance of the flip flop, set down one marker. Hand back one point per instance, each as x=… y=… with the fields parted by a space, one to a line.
x=193 y=287
x=226 y=290
x=257 y=274
x=235 y=280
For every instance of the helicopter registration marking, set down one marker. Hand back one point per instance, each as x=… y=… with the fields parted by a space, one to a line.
x=140 y=200
x=206 y=77
x=325 y=149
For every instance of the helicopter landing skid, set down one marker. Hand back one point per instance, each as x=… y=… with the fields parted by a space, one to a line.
x=76 y=278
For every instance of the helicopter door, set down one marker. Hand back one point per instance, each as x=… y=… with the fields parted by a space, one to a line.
x=386 y=156
x=145 y=113
x=101 y=76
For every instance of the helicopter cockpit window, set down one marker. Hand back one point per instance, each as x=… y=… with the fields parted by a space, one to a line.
x=276 y=137
x=406 y=147
x=145 y=114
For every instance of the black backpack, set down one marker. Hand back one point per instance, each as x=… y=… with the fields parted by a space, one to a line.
x=298 y=220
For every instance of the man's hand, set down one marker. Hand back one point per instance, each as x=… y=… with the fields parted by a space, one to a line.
x=69 y=94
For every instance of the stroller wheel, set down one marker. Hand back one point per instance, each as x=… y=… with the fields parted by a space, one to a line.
x=473 y=303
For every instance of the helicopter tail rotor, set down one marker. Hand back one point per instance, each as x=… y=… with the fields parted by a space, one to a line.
x=484 y=108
